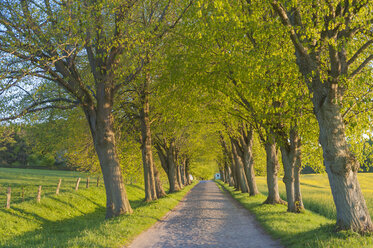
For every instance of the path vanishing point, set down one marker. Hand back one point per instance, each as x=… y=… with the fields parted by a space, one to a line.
x=206 y=217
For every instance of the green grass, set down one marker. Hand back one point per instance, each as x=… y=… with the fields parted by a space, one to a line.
x=316 y=192
x=73 y=219
x=314 y=228
x=30 y=179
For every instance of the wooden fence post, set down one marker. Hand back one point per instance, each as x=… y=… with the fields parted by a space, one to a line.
x=98 y=181
x=38 y=197
x=58 y=186
x=87 y=184
x=77 y=184
x=8 y=198
x=23 y=194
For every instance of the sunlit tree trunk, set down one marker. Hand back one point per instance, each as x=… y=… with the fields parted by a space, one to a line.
x=146 y=143
x=240 y=172
x=342 y=168
x=272 y=171
x=248 y=160
x=326 y=83
x=297 y=170
x=102 y=128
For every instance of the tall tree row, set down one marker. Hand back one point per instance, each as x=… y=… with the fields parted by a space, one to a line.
x=184 y=77
x=90 y=50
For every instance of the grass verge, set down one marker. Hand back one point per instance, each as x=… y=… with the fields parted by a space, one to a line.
x=316 y=193
x=76 y=219
x=307 y=229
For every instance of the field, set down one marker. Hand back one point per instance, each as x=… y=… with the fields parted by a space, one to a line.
x=73 y=218
x=29 y=180
x=316 y=192
x=313 y=228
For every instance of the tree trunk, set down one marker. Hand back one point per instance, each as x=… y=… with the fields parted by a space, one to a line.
x=226 y=176
x=272 y=170
x=229 y=174
x=235 y=173
x=102 y=130
x=179 y=180
x=222 y=176
x=297 y=168
x=239 y=167
x=172 y=177
x=158 y=184
x=167 y=156
x=187 y=164
x=297 y=191
x=288 y=160
x=229 y=163
x=342 y=168
x=340 y=164
x=182 y=173
x=291 y=153
x=248 y=161
x=234 y=170
x=146 y=144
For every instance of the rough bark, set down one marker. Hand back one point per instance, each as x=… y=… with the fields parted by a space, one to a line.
x=233 y=181
x=272 y=170
x=291 y=152
x=172 y=176
x=182 y=172
x=239 y=167
x=288 y=160
x=187 y=164
x=229 y=174
x=342 y=168
x=248 y=160
x=235 y=172
x=167 y=156
x=158 y=183
x=102 y=129
x=146 y=144
x=297 y=191
x=179 y=180
x=327 y=94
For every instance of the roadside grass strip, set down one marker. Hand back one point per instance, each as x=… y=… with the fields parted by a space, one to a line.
x=307 y=229
x=77 y=219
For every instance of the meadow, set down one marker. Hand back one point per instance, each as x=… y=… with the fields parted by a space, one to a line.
x=316 y=192
x=315 y=227
x=73 y=218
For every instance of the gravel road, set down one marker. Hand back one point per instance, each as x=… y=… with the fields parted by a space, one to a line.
x=206 y=217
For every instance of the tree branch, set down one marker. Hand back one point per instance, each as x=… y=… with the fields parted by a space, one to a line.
x=286 y=22
x=358 y=52
x=361 y=67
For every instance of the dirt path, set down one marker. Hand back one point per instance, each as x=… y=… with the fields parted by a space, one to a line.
x=206 y=217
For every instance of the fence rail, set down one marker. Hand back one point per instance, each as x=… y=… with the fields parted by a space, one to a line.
x=17 y=193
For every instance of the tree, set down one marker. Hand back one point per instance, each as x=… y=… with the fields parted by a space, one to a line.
x=89 y=49
x=333 y=47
